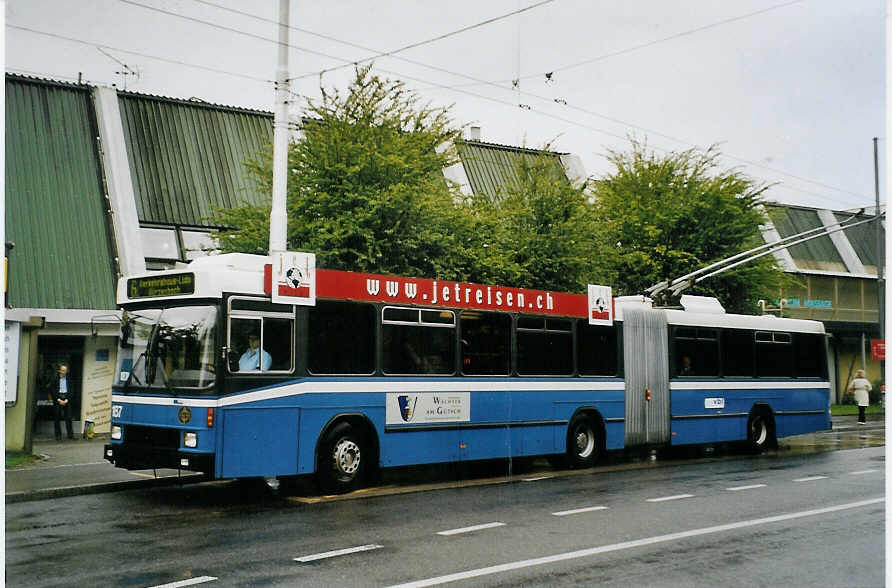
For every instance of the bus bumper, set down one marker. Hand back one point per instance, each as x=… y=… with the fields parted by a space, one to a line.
x=130 y=457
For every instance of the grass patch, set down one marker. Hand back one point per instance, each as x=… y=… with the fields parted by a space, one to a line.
x=17 y=460
x=849 y=409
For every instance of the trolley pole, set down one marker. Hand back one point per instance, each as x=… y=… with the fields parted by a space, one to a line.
x=878 y=229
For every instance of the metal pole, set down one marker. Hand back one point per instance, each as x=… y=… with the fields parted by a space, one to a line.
x=878 y=228
x=864 y=351
x=278 y=220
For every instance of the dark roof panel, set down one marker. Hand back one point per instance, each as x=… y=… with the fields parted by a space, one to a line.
x=863 y=240
x=490 y=167
x=817 y=254
x=55 y=207
x=188 y=158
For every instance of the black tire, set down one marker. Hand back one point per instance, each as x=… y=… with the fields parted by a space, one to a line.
x=584 y=443
x=343 y=459
x=760 y=432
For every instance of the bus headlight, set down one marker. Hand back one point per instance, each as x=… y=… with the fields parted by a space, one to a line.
x=190 y=440
x=116 y=432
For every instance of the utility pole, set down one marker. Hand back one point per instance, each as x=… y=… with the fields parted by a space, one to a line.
x=278 y=220
x=878 y=229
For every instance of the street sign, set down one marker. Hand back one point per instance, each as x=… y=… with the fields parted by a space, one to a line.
x=878 y=349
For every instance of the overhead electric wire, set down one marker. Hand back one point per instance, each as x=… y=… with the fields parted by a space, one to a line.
x=536 y=96
x=232 y=30
x=454 y=89
x=661 y=40
x=146 y=55
x=390 y=53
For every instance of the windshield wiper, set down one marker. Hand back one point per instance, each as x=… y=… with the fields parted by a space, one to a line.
x=152 y=359
x=132 y=375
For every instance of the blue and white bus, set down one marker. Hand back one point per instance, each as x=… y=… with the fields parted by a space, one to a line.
x=216 y=374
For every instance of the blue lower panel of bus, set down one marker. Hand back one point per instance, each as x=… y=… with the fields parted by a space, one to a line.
x=259 y=442
x=712 y=415
x=280 y=436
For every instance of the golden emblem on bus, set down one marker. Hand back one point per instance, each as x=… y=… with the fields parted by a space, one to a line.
x=185 y=415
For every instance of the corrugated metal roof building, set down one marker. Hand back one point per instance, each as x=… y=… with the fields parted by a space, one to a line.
x=101 y=183
x=187 y=157
x=834 y=280
x=835 y=274
x=490 y=167
x=56 y=212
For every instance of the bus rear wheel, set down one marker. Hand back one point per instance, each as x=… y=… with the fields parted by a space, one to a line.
x=760 y=432
x=583 y=442
x=343 y=458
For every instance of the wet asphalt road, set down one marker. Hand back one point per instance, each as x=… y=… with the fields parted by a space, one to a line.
x=806 y=515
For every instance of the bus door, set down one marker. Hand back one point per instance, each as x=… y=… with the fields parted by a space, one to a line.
x=647 y=376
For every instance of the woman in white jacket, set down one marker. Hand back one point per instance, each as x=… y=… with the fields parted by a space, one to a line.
x=861 y=387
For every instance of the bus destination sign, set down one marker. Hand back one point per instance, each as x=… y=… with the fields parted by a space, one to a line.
x=154 y=287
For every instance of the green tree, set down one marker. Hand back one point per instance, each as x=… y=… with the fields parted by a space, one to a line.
x=541 y=231
x=366 y=190
x=664 y=216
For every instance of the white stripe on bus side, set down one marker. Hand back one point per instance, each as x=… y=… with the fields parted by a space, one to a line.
x=748 y=385
x=367 y=386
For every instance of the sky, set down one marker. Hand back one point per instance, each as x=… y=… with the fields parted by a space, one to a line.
x=791 y=91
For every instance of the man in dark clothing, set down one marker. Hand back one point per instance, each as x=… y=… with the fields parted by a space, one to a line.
x=60 y=393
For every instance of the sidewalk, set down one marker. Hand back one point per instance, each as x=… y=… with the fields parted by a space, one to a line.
x=71 y=468
x=74 y=467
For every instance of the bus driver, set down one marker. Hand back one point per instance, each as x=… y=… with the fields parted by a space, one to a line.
x=254 y=358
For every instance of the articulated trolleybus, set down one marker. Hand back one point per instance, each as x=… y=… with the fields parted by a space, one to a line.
x=251 y=366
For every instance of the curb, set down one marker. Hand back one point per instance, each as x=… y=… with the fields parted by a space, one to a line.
x=48 y=493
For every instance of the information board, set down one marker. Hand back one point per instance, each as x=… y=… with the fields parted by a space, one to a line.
x=154 y=287
x=11 y=338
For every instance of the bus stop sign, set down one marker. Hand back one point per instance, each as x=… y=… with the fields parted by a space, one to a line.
x=293 y=278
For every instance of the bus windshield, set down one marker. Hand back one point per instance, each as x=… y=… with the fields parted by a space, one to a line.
x=168 y=348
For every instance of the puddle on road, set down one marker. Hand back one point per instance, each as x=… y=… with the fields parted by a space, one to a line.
x=835 y=440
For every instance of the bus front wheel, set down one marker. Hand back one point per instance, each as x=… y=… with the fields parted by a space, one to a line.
x=583 y=441
x=343 y=459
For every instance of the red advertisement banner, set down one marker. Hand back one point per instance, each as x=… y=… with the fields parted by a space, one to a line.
x=399 y=290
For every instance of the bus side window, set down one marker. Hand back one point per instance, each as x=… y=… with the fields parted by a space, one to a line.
x=696 y=352
x=774 y=355
x=277 y=339
x=809 y=358
x=260 y=337
x=737 y=353
x=485 y=343
x=416 y=341
x=596 y=349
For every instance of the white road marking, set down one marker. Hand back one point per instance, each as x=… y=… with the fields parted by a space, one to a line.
x=750 y=487
x=537 y=479
x=862 y=472
x=810 y=479
x=539 y=561
x=665 y=498
x=470 y=529
x=190 y=582
x=337 y=552
x=564 y=513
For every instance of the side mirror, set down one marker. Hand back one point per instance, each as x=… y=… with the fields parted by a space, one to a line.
x=126 y=332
